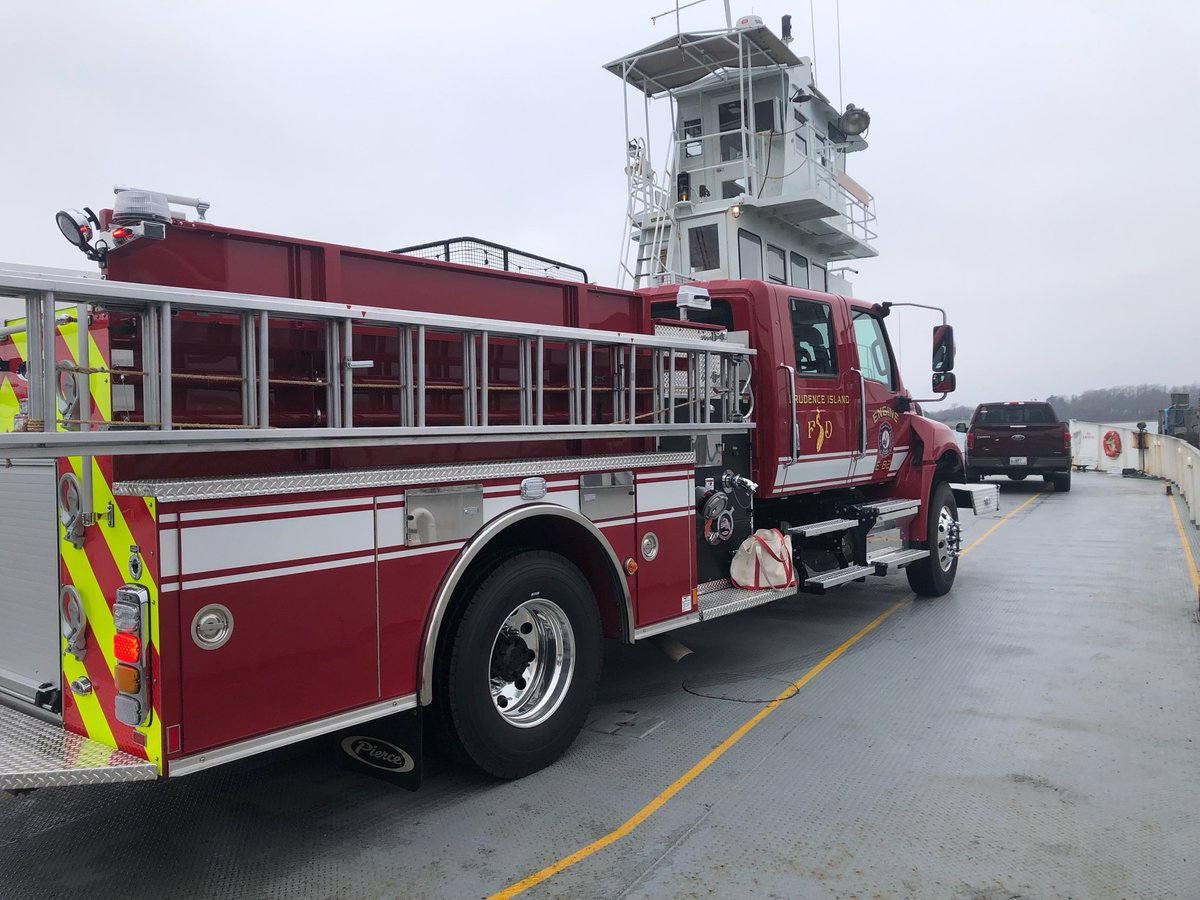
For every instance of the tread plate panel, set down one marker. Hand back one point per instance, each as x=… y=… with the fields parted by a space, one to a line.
x=36 y=754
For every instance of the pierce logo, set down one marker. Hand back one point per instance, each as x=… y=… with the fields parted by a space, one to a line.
x=377 y=754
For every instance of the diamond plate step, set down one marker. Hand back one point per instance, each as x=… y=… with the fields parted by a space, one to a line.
x=734 y=599
x=820 y=583
x=898 y=558
x=36 y=754
x=829 y=525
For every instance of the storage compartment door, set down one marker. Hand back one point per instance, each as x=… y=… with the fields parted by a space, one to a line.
x=29 y=624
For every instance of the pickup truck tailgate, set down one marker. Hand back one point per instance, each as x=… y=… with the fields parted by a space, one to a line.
x=35 y=754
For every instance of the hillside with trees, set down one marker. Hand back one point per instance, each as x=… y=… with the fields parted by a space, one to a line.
x=1127 y=403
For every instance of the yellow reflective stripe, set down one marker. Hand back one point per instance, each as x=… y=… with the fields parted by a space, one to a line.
x=9 y=405
x=119 y=539
x=98 y=384
x=95 y=723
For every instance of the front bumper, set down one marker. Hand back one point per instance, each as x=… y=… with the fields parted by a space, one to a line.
x=999 y=465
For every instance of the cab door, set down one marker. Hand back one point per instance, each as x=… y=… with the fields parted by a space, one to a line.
x=882 y=434
x=822 y=399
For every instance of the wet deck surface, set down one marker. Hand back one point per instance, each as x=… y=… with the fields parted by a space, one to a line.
x=1035 y=734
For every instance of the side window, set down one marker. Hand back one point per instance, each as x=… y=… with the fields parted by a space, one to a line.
x=776 y=265
x=704 y=249
x=799 y=271
x=812 y=337
x=874 y=359
x=729 y=123
x=691 y=129
x=750 y=261
x=819 y=280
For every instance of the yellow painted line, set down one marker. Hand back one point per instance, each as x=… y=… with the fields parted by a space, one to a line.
x=1187 y=547
x=713 y=755
x=690 y=775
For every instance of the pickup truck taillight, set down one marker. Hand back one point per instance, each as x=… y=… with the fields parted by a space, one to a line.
x=970 y=440
x=1066 y=440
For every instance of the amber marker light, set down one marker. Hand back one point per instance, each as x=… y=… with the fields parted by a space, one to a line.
x=127 y=679
x=631 y=566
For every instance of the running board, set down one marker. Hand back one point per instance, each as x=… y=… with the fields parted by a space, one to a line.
x=889 y=510
x=734 y=599
x=898 y=558
x=819 y=584
x=35 y=754
x=815 y=528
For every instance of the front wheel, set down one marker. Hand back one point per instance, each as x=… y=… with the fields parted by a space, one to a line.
x=524 y=664
x=933 y=576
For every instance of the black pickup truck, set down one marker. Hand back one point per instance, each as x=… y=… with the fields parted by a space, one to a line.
x=1018 y=439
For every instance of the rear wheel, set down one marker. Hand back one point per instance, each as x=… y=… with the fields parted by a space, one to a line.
x=1062 y=481
x=934 y=575
x=523 y=666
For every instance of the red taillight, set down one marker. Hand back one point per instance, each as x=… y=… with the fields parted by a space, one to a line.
x=121 y=233
x=127 y=647
x=1066 y=440
x=970 y=440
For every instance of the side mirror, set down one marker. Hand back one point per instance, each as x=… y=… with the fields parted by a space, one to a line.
x=943 y=348
x=944 y=382
x=961 y=427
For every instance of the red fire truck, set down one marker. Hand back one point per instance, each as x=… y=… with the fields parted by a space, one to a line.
x=260 y=489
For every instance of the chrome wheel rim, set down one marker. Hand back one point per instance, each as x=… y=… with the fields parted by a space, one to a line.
x=532 y=662
x=946 y=550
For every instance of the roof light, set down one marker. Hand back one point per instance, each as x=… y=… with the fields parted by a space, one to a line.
x=137 y=206
x=121 y=233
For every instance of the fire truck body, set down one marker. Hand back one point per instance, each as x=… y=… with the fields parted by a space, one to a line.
x=359 y=490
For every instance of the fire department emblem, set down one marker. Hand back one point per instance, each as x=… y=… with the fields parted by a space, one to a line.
x=885 y=440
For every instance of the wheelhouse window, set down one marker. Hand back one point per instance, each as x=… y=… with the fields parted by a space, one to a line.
x=693 y=148
x=820 y=280
x=799 y=271
x=729 y=123
x=812 y=337
x=704 y=248
x=776 y=265
x=750 y=259
x=874 y=355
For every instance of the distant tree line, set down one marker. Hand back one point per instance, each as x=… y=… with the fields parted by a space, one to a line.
x=1127 y=403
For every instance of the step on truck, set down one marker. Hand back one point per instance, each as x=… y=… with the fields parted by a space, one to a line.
x=260 y=490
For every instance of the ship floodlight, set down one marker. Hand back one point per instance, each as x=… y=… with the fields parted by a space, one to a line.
x=854 y=121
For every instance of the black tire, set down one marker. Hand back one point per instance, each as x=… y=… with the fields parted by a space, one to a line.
x=934 y=575
x=1020 y=476
x=1062 y=482
x=972 y=477
x=506 y=713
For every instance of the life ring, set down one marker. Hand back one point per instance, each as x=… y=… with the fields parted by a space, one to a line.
x=1112 y=444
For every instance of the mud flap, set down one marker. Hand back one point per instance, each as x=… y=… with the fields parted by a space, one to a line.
x=388 y=748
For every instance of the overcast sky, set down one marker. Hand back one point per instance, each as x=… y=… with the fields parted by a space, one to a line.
x=1033 y=163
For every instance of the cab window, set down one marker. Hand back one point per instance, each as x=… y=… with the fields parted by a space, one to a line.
x=874 y=357
x=812 y=337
